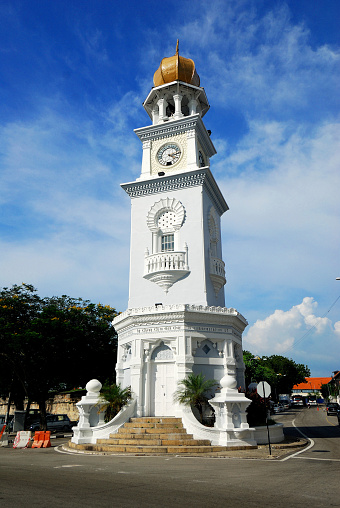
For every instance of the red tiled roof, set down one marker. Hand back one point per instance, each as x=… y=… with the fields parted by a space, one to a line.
x=312 y=383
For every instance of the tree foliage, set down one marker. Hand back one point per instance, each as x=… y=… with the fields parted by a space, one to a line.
x=193 y=391
x=115 y=397
x=280 y=372
x=48 y=344
x=329 y=390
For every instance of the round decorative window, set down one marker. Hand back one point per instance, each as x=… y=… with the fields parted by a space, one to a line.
x=166 y=215
x=166 y=220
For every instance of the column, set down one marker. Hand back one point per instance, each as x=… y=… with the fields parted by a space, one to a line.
x=192 y=106
x=155 y=115
x=146 y=160
x=162 y=104
x=178 y=106
x=191 y=150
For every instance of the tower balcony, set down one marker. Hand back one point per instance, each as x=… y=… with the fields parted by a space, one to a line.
x=166 y=268
x=217 y=273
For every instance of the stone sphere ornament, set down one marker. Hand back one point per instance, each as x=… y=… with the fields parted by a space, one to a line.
x=93 y=386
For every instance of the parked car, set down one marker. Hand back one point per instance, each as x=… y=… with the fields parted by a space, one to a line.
x=277 y=408
x=297 y=402
x=332 y=408
x=284 y=405
x=55 y=423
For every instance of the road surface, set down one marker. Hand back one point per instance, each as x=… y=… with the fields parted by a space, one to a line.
x=43 y=478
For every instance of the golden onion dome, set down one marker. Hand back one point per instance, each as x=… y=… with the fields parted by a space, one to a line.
x=176 y=68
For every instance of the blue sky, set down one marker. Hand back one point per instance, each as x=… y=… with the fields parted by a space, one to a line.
x=74 y=75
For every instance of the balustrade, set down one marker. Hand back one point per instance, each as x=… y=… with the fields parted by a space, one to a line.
x=164 y=261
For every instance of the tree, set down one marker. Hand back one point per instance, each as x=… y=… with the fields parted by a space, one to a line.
x=115 y=397
x=329 y=390
x=48 y=344
x=280 y=372
x=193 y=391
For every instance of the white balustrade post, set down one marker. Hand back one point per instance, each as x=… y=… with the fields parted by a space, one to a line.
x=89 y=412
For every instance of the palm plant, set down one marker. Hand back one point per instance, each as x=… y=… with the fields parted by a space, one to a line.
x=114 y=397
x=193 y=391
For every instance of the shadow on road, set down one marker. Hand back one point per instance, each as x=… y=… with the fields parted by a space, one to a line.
x=317 y=431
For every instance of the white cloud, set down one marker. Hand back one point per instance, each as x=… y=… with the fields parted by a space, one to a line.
x=337 y=328
x=280 y=231
x=263 y=65
x=66 y=222
x=67 y=263
x=282 y=330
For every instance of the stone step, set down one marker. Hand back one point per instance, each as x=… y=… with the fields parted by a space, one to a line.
x=154 y=442
x=186 y=442
x=148 y=430
x=159 y=450
x=153 y=425
x=147 y=437
x=153 y=436
x=156 y=419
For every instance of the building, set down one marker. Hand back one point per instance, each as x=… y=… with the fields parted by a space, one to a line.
x=312 y=386
x=176 y=322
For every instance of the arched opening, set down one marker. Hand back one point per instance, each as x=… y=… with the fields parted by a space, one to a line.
x=162 y=384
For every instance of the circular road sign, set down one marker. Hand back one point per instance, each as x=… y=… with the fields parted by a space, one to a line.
x=264 y=389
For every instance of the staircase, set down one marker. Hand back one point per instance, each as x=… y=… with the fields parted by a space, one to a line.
x=151 y=435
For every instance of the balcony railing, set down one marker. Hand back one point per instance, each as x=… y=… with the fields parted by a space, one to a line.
x=166 y=268
x=166 y=261
x=217 y=273
x=217 y=267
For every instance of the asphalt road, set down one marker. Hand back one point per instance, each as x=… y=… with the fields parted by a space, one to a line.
x=44 y=478
x=321 y=429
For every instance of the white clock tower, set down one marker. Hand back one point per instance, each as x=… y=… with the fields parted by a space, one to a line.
x=177 y=322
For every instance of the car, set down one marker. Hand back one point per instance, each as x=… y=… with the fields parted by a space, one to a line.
x=332 y=408
x=297 y=402
x=285 y=405
x=277 y=408
x=55 y=423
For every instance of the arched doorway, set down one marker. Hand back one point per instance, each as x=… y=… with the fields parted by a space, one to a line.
x=162 y=382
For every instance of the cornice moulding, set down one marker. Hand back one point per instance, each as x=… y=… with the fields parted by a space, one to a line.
x=182 y=314
x=179 y=181
x=172 y=127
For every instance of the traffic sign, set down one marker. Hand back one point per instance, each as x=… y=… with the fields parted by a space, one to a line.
x=264 y=389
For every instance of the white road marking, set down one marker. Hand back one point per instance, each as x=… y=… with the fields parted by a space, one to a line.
x=304 y=449
x=315 y=458
x=67 y=465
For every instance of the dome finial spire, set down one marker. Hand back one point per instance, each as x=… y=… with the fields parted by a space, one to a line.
x=176 y=68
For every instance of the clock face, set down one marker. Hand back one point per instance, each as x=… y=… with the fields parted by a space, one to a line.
x=169 y=154
x=201 y=159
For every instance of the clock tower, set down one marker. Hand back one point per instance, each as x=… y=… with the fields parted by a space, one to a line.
x=176 y=254
x=176 y=322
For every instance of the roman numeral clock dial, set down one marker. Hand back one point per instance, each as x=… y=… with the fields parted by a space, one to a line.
x=169 y=154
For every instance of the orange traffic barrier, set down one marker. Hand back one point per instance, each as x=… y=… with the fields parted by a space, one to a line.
x=47 y=439
x=38 y=440
x=42 y=439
